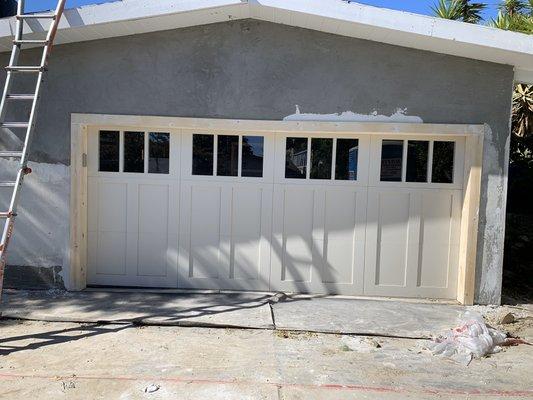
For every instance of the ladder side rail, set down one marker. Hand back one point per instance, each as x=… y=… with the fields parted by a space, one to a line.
x=53 y=28
x=9 y=222
x=15 y=52
x=35 y=105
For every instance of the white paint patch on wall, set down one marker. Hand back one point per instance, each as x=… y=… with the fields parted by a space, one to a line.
x=42 y=226
x=349 y=116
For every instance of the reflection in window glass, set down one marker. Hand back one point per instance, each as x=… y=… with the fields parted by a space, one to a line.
x=202 y=154
x=133 y=151
x=346 y=159
x=443 y=158
x=321 y=158
x=417 y=160
x=391 y=160
x=158 y=163
x=252 y=156
x=296 y=158
x=109 y=149
x=228 y=155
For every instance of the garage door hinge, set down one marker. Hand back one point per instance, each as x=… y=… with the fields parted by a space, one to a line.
x=84 y=159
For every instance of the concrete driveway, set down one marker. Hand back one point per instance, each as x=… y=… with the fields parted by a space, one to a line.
x=122 y=358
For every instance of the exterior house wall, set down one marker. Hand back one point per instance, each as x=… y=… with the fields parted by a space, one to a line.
x=253 y=70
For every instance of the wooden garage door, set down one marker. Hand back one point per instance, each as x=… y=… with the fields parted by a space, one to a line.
x=414 y=216
x=320 y=200
x=323 y=213
x=132 y=208
x=226 y=211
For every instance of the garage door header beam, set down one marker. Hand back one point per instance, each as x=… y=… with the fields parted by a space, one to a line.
x=244 y=125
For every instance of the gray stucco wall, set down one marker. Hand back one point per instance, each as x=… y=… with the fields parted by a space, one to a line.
x=257 y=70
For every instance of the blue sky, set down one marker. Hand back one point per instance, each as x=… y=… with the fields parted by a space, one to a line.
x=417 y=6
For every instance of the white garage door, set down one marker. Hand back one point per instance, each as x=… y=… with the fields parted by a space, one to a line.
x=347 y=214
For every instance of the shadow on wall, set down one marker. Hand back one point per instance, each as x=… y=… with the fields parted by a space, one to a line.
x=41 y=228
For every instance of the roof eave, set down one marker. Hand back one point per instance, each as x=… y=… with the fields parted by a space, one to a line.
x=127 y=17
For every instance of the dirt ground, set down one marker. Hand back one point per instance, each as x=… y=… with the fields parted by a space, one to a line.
x=53 y=360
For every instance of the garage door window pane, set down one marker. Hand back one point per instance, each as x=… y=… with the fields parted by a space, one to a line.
x=252 y=156
x=391 y=160
x=321 y=158
x=228 y=155
x=133 y=151
x=202 y=154
x=417 y=161
x=109 y=149
x=159 y=153
x=443 y=159
x=296 y=158
x=346 y=159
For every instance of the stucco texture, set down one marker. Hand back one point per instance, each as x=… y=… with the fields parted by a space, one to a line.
x=257 y=70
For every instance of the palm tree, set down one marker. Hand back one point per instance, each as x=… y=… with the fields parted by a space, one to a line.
x=513 y=22
x=514 y=15
x=472 y=11
x=523 y=110
x=513 y=7
x=448 y=9
x=460 y=10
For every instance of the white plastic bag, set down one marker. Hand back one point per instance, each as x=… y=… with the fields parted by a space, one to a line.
x=472 y=338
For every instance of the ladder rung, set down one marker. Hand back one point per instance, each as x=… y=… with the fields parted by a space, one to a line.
x=30 y=41
x=34 y=16
x=20 y=96
x=6 y=154
x=7 y=214
x=7 y=184
x=14 y=125
x=26 y=68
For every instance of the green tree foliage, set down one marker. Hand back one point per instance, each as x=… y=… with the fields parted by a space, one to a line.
x=513 y=7
x=460 y=10
x=513 y=15
x=522 y=141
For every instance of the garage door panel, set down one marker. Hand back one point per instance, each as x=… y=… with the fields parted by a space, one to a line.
x=225 y=236
x=152 y=254
x=246 y=232
x=393 y=235
x=153 y=237
x=205 y=232
x=246 y=212
x=111 y=253
x=112 y=206
x=410 y=242
x=319 y=239
x=297 y=259
x=205 y=215
x=247 y=259
x=204 y=262
x=339 y=259
x=294 y=232
x=130 y=243
x=434 y=266
x=340 y=236
x=298 y=212
x=153 y=208
x=439 y=237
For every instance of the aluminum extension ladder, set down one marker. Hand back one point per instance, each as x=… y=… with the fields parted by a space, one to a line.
x=8 y=217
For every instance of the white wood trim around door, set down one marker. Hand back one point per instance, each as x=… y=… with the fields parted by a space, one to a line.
x=469 y=135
